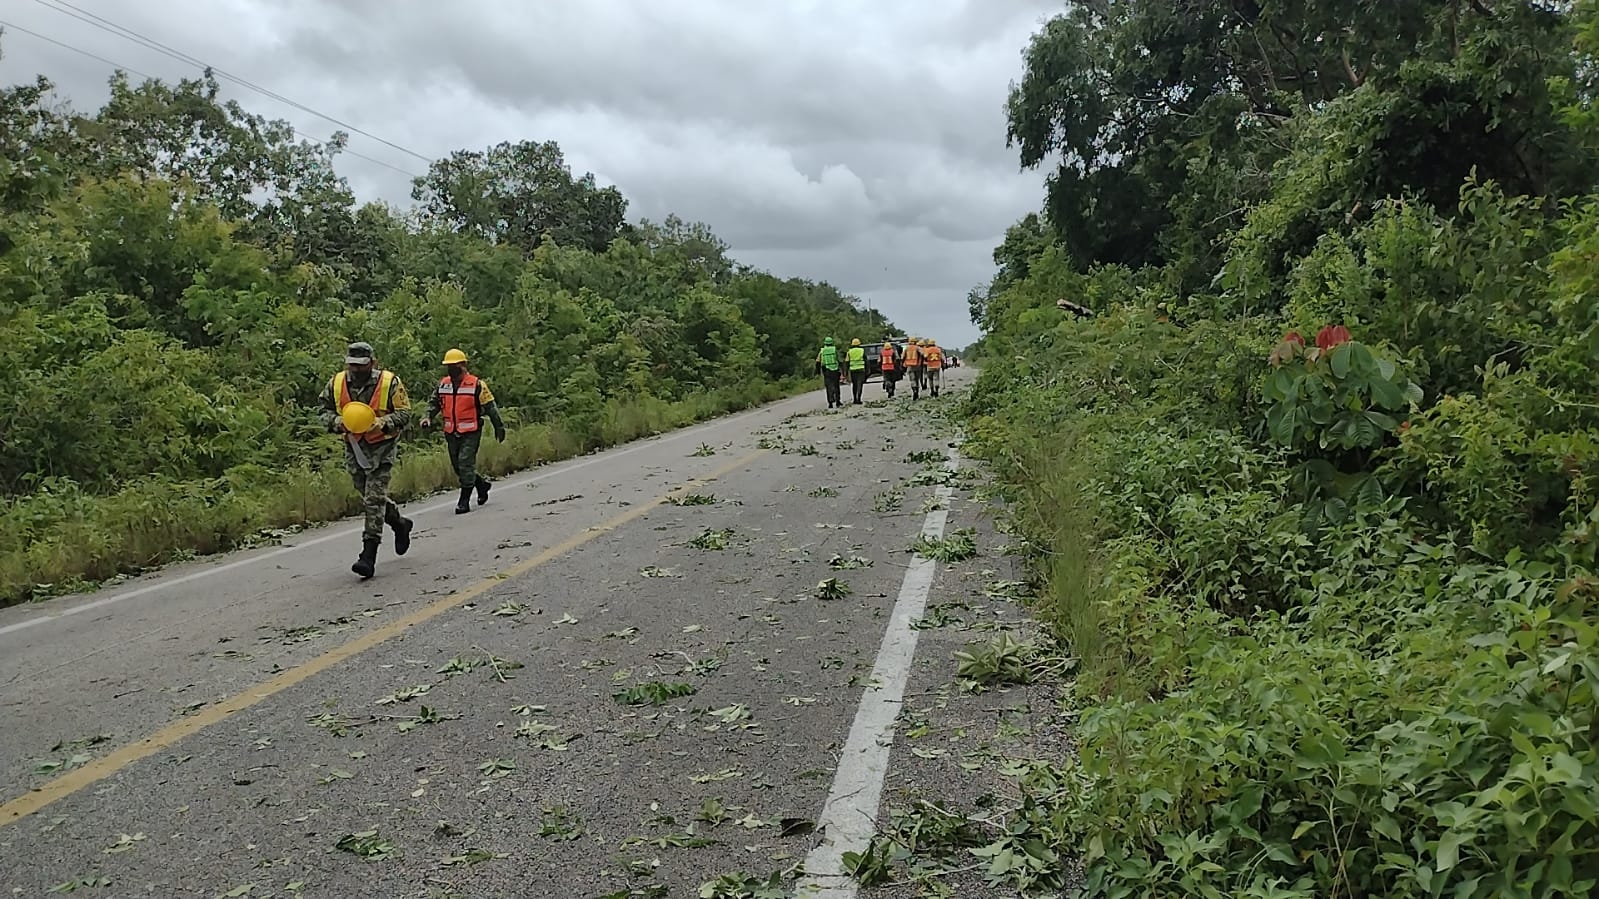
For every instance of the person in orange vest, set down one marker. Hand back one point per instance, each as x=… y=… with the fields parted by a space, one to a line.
x=933 y=358
x=913 y=365
x=462 y=400
x=889 y=364
x=371 y=449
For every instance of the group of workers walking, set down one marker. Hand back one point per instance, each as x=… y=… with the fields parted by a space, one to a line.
x=369 y=407
x=922 y=359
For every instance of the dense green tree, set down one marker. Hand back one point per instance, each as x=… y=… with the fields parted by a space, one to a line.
x=1166 y=118
x=522 y=193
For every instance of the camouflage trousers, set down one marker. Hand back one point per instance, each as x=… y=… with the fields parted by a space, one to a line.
x=463 y=457
x=918 y=375
x=374 y=489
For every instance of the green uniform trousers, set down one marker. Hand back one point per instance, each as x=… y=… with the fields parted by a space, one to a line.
x=463 y=457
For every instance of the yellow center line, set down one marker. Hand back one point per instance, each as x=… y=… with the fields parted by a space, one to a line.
x=107 y=765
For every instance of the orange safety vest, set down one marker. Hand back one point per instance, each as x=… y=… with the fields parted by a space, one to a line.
x=459 y=405
x=913 y=355
x=886 y=357
x=935 y=357
x=381 y=398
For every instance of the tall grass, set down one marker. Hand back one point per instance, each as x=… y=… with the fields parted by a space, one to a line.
x=1046 y=476
x=61 y=539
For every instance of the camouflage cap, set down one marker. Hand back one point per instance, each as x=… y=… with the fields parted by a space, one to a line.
x=358 y=353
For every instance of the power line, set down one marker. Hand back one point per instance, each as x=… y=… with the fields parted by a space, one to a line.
x=117 y=65
x=114 y=65
x=126 y=33
x=122 y=31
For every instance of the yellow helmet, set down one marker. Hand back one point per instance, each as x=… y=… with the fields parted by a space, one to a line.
x=855 y=342
x=358 y=417
x=454 y=357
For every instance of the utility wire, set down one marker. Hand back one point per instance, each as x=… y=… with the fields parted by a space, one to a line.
x=117 y=65
x=122 y=31
x=112 y=64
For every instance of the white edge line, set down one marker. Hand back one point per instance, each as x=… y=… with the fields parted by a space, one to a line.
x=559 y=468
x=849 y=817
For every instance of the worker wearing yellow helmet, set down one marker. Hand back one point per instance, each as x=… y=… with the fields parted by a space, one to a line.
x=831 y=365
x=933 y=357
x=914 y=366
x=463 y=400
x=856 y=358
x=369 y=407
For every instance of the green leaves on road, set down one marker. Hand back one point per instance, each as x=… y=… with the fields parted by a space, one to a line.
x=653 y=693
x=367 y=844
x=956 y=547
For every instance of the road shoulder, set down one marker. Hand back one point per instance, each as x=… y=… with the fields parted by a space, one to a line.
x=985 y=716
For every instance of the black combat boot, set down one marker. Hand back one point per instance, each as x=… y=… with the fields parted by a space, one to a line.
x=482 y=490
x=367 y=564
x=402 y=536
x=465 y=504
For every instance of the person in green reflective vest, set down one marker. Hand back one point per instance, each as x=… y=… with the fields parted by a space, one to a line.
x=857 y=369
x=831 y=365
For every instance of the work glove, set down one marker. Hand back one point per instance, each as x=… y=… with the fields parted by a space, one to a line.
x=499 y=434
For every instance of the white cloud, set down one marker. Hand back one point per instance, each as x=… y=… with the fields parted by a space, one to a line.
x=861 y=143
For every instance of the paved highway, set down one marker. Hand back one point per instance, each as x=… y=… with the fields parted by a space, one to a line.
x=623 y=676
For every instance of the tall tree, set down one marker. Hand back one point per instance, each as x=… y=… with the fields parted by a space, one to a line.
x=1164 y=117
x=519 y=193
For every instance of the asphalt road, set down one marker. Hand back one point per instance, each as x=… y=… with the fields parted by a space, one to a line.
x=620 y=677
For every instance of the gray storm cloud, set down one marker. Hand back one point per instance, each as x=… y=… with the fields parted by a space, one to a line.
x=862 y=143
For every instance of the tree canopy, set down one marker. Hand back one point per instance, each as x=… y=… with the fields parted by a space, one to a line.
x=1167 y=120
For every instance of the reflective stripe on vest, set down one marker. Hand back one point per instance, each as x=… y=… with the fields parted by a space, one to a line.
x=380 y=401
x=857 y=358
x=830 y=357
x=886 y=357
x=459 y=405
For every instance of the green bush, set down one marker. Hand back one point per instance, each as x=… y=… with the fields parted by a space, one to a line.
x=1308 y=489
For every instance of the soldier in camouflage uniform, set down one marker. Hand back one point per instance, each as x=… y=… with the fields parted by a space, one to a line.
x=370 y=458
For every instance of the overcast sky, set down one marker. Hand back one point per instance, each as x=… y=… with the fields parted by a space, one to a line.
x=861 y=142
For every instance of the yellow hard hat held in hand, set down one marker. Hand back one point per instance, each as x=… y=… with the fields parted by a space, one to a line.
x=358 y=417
x=454 y=357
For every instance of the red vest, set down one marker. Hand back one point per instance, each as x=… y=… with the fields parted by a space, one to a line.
x=458 y=405
x=887 y=357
